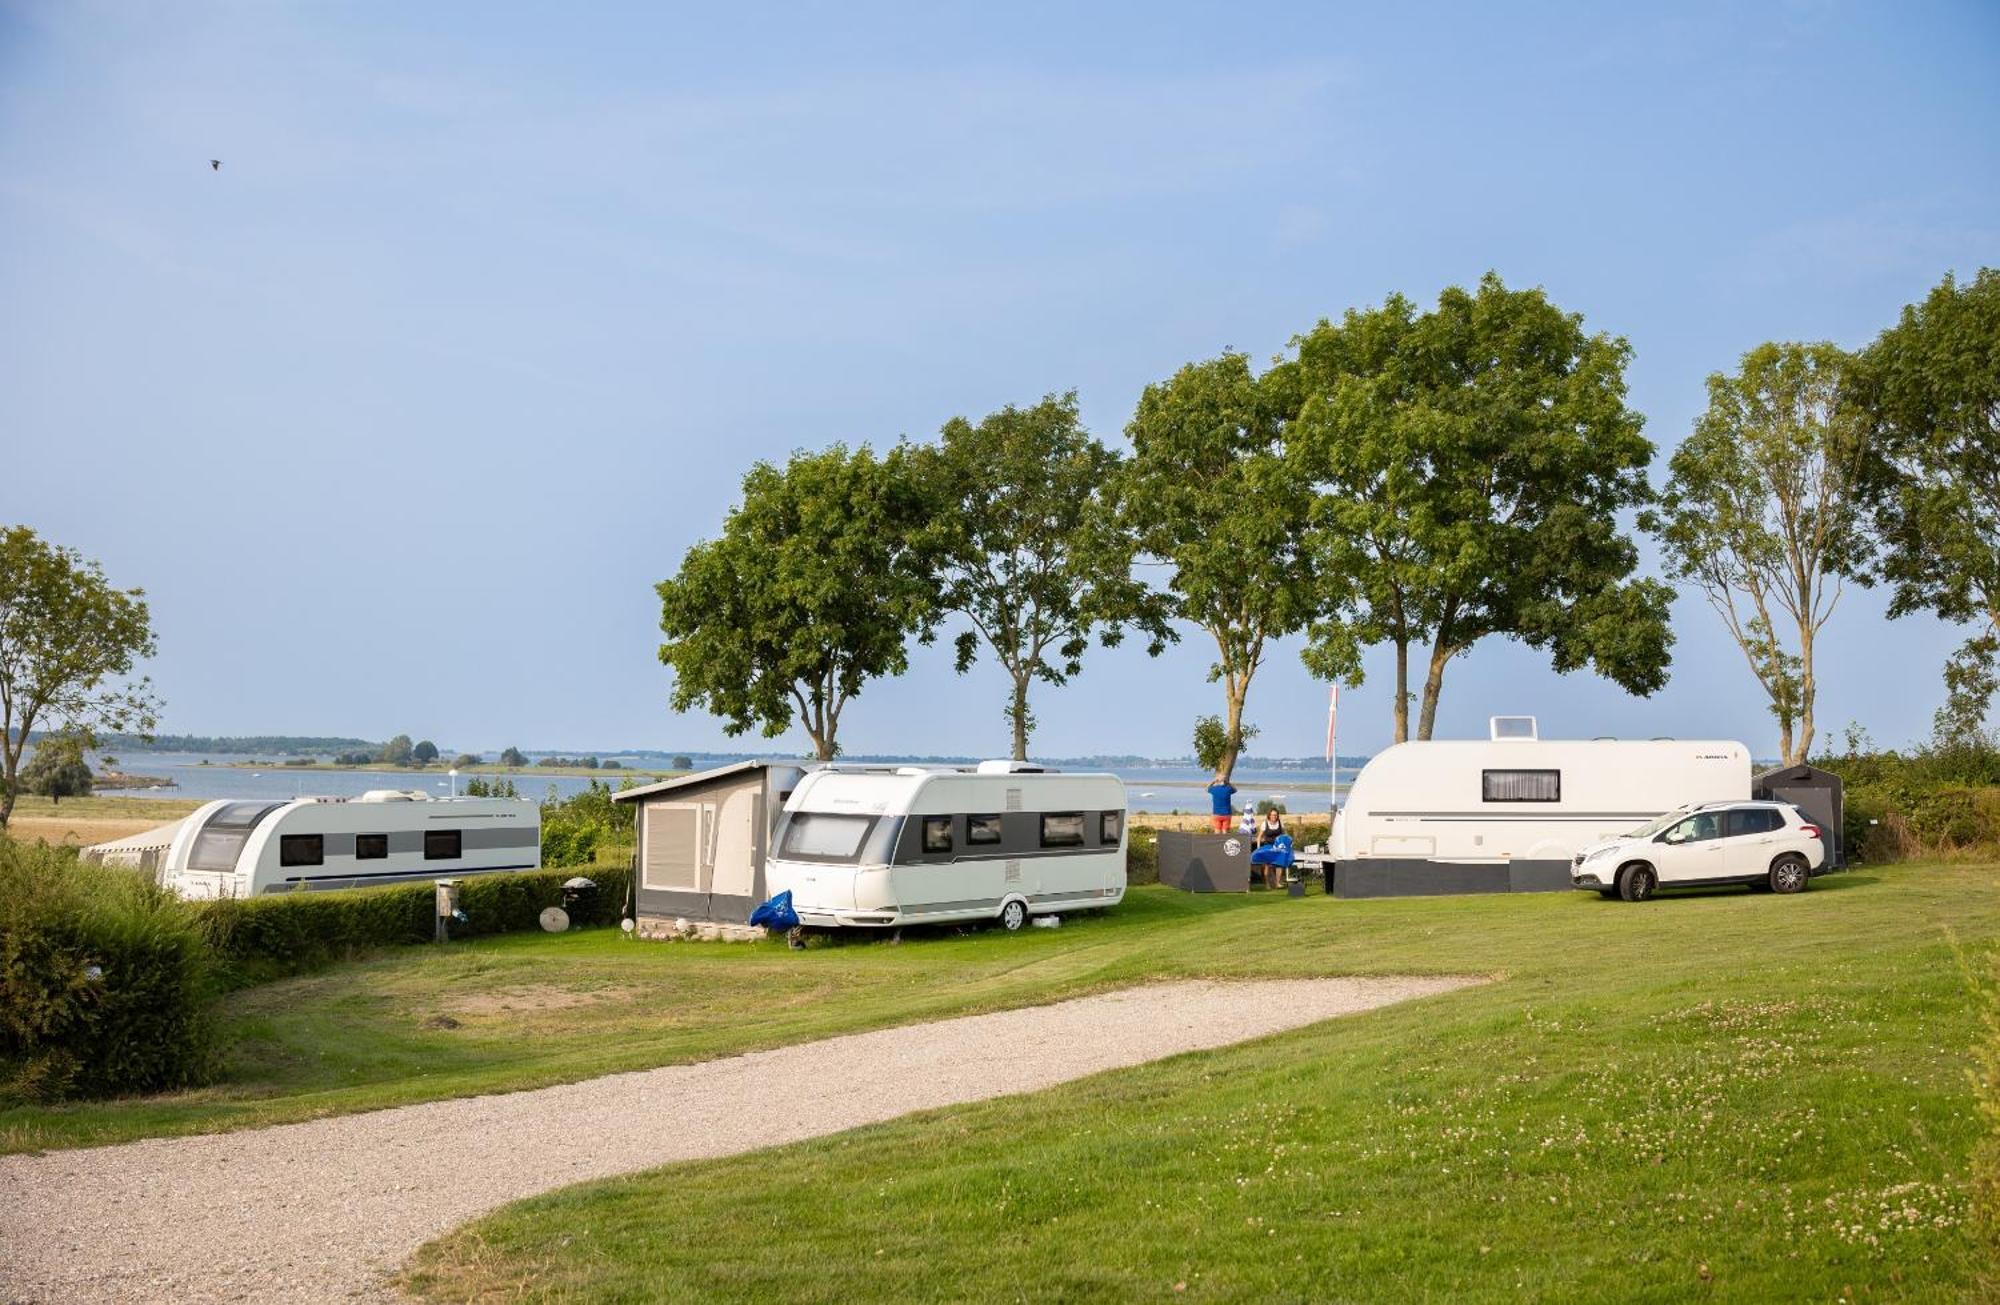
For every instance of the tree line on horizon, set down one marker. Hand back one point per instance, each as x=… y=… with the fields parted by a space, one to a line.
x=1425 y=479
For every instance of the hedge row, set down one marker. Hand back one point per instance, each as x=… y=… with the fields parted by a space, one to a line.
x=107 y=982
x=285 y=933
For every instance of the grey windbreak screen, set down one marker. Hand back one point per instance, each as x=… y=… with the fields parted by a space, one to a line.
x=221 y=839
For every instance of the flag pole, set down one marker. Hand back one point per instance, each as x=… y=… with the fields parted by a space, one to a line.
x=1332 y=761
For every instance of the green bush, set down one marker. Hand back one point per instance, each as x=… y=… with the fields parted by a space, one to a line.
x=107 y=982
x=284 y=933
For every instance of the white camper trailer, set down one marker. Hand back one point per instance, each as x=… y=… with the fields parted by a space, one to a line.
x=880 y=846
x=1508 y=813
x=386 y=836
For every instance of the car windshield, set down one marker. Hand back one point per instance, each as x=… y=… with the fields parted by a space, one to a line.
x=1657 y=823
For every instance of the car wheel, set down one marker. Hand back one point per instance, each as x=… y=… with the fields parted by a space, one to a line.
x=1013 y=915
x=1637 y=883
x=1789 y=874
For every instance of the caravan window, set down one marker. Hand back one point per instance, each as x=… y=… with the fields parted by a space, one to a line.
x=371 y=847
x=221 y=839
x=1521 y=785
x=825 y=835
x=442 y=845
x=301 y=849
x=937 y=833
x=982 y=829
x=1064 y=829
x=1110 y=828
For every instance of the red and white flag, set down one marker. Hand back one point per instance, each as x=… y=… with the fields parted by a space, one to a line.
x=1332 y=703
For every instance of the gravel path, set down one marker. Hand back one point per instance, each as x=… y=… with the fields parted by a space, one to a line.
x=325 y=1210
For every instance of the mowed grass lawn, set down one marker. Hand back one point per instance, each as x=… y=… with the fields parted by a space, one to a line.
x=1731 y=1095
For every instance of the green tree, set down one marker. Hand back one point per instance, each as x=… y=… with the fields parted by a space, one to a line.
x=424 y=753
x=1208 y=493
x=1762 y=513
x=1470 y=465
x=57 y=769
x=68 y=643
x=812 y=590
x=683 y=763
x=399 y=751
x=513 y=757
x=1217 y=747
x=1929 y=391
x=1028 y=549
x=464 y=761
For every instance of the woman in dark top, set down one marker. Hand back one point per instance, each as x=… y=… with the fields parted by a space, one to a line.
x=1267 y=833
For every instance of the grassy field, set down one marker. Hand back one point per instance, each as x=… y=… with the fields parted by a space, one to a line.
x=1731 y=1096
x=1728 y=1095
x=81 y=821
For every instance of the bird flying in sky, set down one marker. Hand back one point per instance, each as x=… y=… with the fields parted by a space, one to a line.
x=215 y=165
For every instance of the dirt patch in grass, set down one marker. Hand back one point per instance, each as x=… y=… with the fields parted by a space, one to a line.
x=535 y=999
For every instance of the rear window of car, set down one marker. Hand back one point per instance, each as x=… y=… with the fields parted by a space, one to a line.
x=1754 y=820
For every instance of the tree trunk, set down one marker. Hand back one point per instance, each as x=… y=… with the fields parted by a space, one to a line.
x=1796 y=755
x=1402 y=690
x=1234 y=689
x=1433 y=686
x=1017 y=713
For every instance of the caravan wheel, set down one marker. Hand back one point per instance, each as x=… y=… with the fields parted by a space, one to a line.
x=1013 y=915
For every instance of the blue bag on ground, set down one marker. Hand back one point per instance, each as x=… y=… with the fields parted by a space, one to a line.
x=777 y=914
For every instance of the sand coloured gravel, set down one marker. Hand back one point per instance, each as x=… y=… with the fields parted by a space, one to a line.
x=328 y=1210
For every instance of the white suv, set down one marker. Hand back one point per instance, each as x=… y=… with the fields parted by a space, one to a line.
x=1768 y=844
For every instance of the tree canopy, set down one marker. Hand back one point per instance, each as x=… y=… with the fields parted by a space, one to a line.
x=513 y=757
x=1929 y=392
x=1469 y=465
x=68 y=643
x=1026 y=547
x=812 y=589
x=1762 y=512
x=424 y=753
x=399 y=751
x=1207 y=493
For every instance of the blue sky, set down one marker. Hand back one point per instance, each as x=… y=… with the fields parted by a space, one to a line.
x=399 y=416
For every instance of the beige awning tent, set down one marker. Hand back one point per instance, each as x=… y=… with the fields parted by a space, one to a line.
x=142 y=851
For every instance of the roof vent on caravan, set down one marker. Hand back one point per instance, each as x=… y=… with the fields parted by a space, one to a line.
x=393 y=795
x=1012 y=768
x=1513 y=729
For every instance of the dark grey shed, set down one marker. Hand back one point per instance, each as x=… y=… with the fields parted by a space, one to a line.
x=702 y=840
x=1818 y=793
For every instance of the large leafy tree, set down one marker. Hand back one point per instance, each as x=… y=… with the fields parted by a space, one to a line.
x=1470 y=465
x=57 y=770
x=813 y=588
x=1208 y=494
x=68 y=645
x=1762 y=512
x=1027 y=548
x=1929 y=391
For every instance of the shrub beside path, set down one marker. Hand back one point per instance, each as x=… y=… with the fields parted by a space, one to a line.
x=327 y=1210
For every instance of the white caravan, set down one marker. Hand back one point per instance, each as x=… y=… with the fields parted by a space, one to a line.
x=1510 y=812
x=246 y=848
x=881 y=846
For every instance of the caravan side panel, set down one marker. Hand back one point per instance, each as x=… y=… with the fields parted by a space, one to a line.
x=1508 y=815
